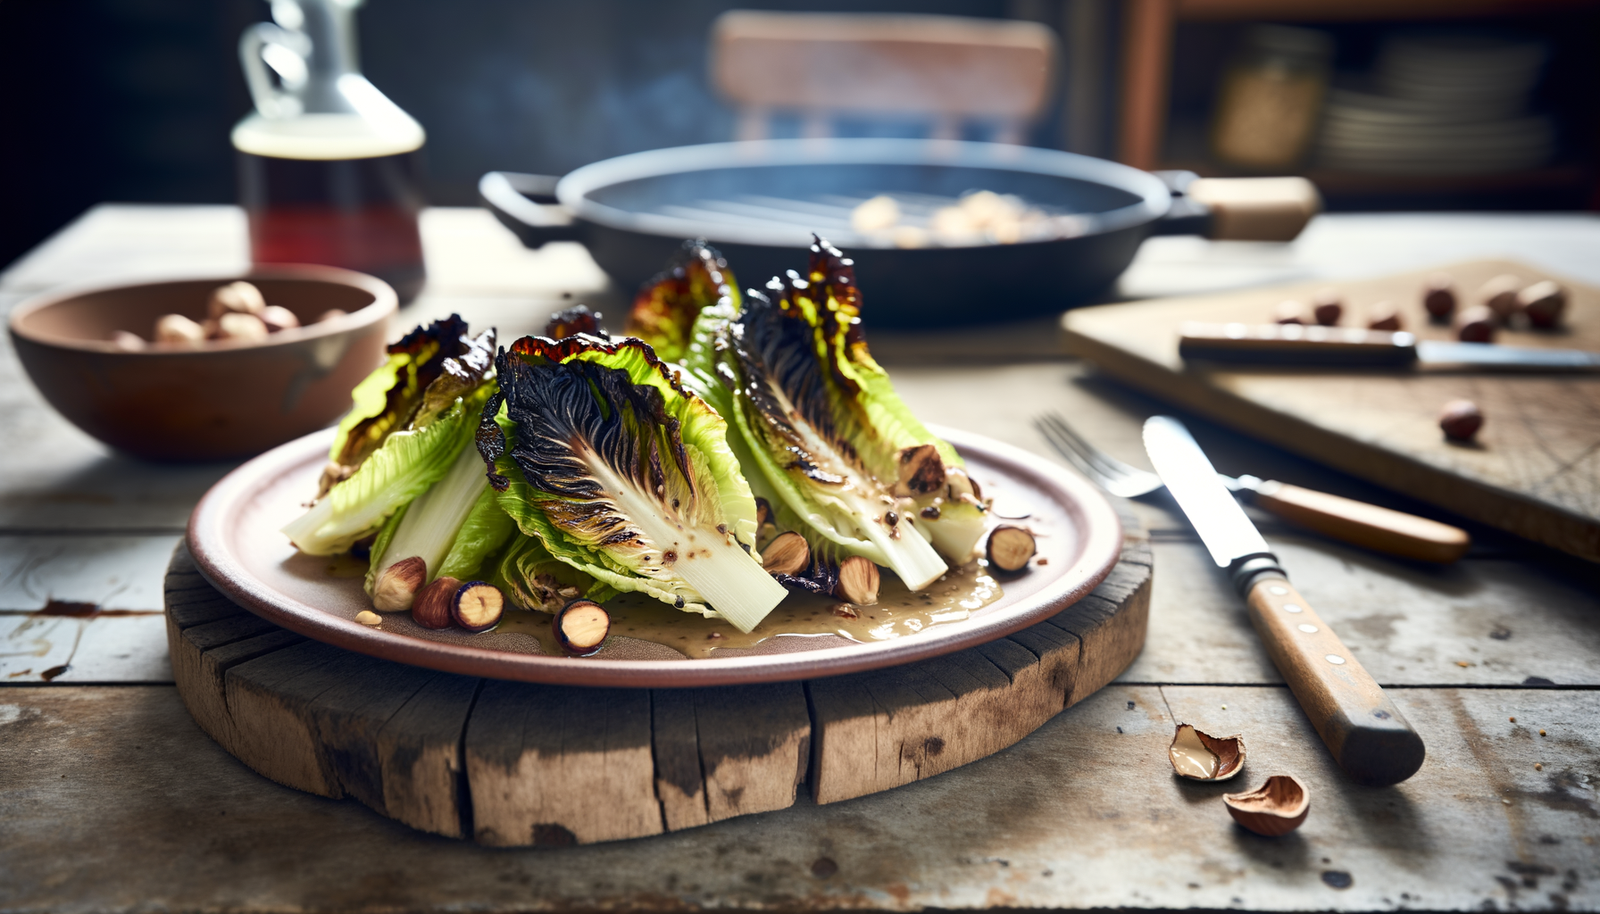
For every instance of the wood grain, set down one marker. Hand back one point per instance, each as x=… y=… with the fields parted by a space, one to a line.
x=1534 y=470
x=514 y=764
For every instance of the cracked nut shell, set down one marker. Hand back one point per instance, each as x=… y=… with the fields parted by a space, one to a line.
x=1202 y=757
x=1275 y=808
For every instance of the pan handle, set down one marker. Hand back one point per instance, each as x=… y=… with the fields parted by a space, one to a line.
x=1238 y=209
x=526 y=205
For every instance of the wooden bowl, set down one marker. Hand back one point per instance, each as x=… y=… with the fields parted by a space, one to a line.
x=226 y=400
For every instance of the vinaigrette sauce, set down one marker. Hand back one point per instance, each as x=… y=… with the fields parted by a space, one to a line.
x=897 y=614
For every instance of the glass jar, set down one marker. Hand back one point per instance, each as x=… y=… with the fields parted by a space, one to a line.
x=1271 y=98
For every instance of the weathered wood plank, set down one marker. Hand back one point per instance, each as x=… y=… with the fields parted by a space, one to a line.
x=553 y=765
x=419 y=752
x=680 y=782
x=755 y=747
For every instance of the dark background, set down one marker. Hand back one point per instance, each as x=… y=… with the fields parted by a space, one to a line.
x=132 y=100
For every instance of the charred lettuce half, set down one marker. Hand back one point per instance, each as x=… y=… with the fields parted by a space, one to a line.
x=666 y=308
x=413 y=417
x=832 y=440
x=602 y=454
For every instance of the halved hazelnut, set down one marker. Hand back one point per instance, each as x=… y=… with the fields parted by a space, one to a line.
x=1010 y=548
x=432 y=606
x=277 y=317
x=478 y=606
x=788 y=553
x=235 y=298
x=1203 y=757
x=858 y=581
x=1275 y=808
x=581 y=627
x=397 y=586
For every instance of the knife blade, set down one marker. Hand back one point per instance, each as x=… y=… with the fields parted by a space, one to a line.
x=1367 y=734
x=1301 y=345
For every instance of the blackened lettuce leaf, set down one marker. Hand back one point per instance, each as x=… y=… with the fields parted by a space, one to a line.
x=666 y=308
x=601 y=453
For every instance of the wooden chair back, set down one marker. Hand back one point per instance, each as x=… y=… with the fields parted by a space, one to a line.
x=821 y=65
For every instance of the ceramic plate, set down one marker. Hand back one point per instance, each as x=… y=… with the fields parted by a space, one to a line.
x=234 y=536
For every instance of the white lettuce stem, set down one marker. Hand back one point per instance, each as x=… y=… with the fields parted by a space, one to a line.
x=956 y=532
x=433 y=520
x=908 y=555
x=714 y=564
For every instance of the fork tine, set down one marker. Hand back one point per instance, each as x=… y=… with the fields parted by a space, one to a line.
x=1068 y=450
x=1106 y=465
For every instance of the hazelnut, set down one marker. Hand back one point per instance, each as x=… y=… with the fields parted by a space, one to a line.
x=127 y=342
x=431 y=607
x=396 y=588
x=368 y=617
x=1010 y=548
x=1460 y=420
x=1499 y=295
x=235 y=298
x=1439 y=297
x=787 y=554
x=1275 y=808
x=1384 y=316
x=581 y=627
x=245 y=327
x=1203 y=757
x=1475 y=325
x=175 y=328
x=1327 y=307
x=1289 y=312
x=1543 y=302
x=477 y=606
x=858 y=581
x=277 y=317
x=330 y=314
x=921 y=471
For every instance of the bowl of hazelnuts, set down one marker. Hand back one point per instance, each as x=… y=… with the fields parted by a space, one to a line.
x=207 y=368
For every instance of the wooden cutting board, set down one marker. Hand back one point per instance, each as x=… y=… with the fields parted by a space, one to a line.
x=1534 y=469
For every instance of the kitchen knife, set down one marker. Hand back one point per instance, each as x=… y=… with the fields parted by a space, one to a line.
x=1366 y=733
x=1316 y=345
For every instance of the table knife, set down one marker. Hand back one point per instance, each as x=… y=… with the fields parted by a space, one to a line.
x=1348 y=346
x=1367 y=734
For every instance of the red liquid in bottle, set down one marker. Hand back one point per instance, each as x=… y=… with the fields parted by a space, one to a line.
x=357 y=213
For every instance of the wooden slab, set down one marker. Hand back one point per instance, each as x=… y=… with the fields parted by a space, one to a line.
x=513 y=764
x=1534 y=471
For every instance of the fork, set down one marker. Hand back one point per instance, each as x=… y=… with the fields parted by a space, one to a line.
x=1386 y=530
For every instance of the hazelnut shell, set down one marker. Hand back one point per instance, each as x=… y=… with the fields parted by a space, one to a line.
x=1193 y=753
x=433 y=603
x=1275 y=808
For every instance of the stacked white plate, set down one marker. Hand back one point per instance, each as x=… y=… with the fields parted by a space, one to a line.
x=1446 y=104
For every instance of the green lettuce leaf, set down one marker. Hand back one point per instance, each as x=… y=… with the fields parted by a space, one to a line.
x=621 y=472
x=484 y=534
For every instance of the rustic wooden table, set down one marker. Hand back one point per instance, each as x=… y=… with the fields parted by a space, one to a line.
x=112 y=799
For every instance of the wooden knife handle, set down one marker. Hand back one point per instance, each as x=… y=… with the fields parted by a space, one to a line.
x=1394 y=532
x=1366 y=733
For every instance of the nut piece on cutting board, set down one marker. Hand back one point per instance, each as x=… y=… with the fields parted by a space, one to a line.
x=1439 y=297
x=1327 y=306
x=1460 y=420
x=1275 y=808
x=1384 y=316
x=1499 y=295
x=1290 y=312
x=1544 y=303
x=1203 y=757
x=1476 y=325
